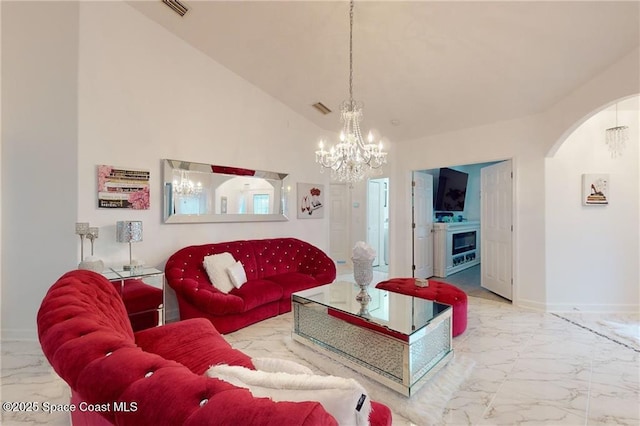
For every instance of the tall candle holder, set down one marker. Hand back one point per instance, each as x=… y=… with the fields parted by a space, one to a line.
x=82 y=229
x=91 y=234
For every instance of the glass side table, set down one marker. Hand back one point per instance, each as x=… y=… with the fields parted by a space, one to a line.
x=142 y=291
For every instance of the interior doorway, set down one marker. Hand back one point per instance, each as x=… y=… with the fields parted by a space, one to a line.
x=458 y=204
x=378 y=220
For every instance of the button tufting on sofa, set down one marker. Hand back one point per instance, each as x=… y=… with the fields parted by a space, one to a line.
x=275 y=268
x=204 y=402
x=149 y=374
x=107 y=354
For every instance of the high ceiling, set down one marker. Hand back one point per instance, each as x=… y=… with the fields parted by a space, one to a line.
x=431 y=66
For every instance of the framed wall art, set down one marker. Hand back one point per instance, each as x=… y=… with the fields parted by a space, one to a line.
x=310 y=201
x=123 y=188
x=595 y=189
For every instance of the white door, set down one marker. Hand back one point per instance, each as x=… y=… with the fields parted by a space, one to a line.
x=496 y=228
x=422 y=190
x=374 y=219
x=338 y=222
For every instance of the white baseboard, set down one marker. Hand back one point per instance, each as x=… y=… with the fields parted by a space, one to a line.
x=21 y=335
x=593 y=308
x=530 y=304
x=577 y=307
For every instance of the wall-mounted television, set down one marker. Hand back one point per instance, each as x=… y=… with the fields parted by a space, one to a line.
x=451 y=191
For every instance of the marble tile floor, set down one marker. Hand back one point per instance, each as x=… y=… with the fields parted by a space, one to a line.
x=469 y=281
x=530 y=368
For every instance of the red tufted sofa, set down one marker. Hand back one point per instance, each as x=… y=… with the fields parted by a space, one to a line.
x=155 y=376
x=275 y=269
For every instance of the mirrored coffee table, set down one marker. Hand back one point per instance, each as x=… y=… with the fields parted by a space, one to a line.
x=400 y=342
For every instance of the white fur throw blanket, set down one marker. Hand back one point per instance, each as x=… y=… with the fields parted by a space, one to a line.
x=344 y=399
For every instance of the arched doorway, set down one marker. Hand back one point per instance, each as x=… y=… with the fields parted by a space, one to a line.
x=592 y=251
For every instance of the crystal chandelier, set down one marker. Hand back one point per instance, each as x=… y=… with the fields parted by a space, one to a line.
x=352 y=158
x=186 y=187
x=616 y=138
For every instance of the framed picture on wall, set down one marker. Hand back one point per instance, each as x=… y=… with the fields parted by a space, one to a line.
x=310 y=201
x=123 y=188
x=595 y=189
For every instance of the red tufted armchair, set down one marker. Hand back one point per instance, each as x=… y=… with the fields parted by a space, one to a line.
x=153 y=377
x=275 y=269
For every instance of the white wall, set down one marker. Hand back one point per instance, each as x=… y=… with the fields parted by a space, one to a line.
x=592 y=251
x=39 y=155
x=527 y=141
x=516 y=139
x=104 y=85
x=146 y=95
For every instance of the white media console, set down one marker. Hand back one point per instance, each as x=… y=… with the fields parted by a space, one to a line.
x=456 y=246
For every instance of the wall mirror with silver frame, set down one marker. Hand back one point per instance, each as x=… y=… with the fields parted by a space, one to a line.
x=198 y=192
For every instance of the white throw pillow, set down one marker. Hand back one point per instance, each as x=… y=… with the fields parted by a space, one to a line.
x=216 y=266
x=345 y=399
x=237 y=275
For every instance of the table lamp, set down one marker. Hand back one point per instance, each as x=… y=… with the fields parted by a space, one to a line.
x=129 y=231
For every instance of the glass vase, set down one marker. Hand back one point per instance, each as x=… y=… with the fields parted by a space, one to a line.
x=363 y=274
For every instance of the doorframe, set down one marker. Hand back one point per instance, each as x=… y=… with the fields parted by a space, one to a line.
x=348 y=215
x=385 y=199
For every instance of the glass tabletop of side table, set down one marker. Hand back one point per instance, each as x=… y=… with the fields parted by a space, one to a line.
x=142 y=279
x=399 y=340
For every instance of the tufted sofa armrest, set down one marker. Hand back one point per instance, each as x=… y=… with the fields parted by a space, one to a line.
x=85 y=334
x=202 y=294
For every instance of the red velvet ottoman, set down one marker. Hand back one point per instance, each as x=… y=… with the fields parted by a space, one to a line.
x=437 y=291
x=142 y=302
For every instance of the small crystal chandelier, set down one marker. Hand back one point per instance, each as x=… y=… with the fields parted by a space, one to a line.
x=352 y=158
x=186 y=187
x=616 y=138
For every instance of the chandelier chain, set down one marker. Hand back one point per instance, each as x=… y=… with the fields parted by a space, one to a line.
x=351 y=53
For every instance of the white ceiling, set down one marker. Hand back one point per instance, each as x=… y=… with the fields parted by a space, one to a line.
x=433 y=66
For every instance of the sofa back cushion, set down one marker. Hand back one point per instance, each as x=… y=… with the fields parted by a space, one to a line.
x=283 y=255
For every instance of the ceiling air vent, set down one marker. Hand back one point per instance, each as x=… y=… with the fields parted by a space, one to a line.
x=322 y=108
x=177 y=7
